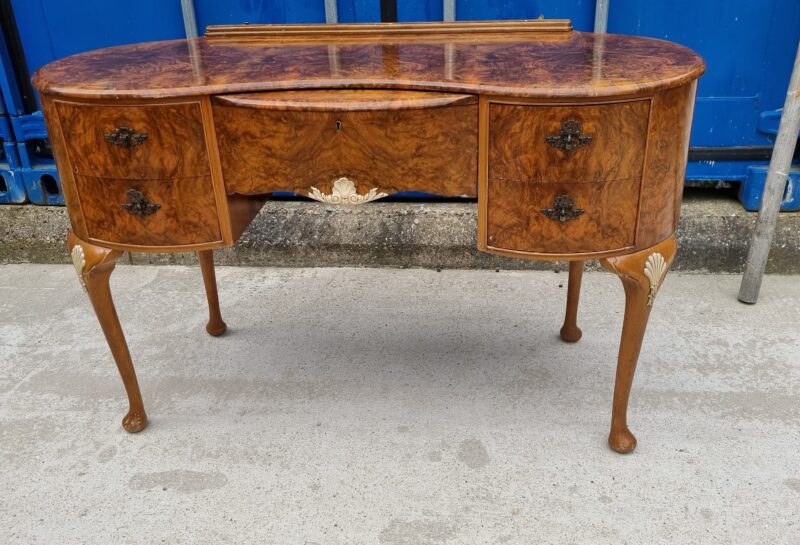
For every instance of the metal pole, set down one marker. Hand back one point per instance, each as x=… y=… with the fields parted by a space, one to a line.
x=189 y=18
x=601 y=16
x=331 y=13
x=449 y=10
x=773 y=189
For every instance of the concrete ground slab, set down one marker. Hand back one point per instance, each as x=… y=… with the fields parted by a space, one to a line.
x=396 y=407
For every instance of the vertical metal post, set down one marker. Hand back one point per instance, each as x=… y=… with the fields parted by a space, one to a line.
x=331 y=13
x=189 y=18
x=449 y=10
x=773 y=190
x=601 y=16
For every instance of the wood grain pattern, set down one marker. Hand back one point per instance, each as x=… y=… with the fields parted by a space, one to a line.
x=433 y=149
x=175 y=145
x=515 y=220
x=665 y=164
x=568 y=65
x=187 y=213
x=247 y=33
x=58 y=145
x=345 y=100
x=518 y=149
x=410 y=107
x=630 y=269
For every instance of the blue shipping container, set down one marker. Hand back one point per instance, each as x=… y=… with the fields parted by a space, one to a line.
x=749 y=47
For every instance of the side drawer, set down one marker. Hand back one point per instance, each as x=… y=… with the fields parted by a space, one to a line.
x=561 y=218
x=388 y=140
x=575 y=143
x=134 y=142
x=149 y=212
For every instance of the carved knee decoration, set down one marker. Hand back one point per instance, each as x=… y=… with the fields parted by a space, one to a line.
x=642 y=275
x=94 y=266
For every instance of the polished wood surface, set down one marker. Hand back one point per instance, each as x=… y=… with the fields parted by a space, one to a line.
x=631 y=270
x=215 y=326
x=521 y=64
x=570 y=332
x=187 y=212
x=665 y=164
x=305 y=33
x=519 y=149
x=173 y=146
x=516 y=220
x=94 y=273
x=345 y=100
x=409 y=148
x=574 y=144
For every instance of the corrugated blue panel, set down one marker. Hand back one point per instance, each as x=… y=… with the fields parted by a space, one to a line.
x=749 y=48
x=10 y=98
x=359 y=11
x=580 y=11
x=51 y=29
x=214 y=12
x=419 y=10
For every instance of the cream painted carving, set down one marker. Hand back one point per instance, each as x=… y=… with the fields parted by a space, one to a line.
x=344 y=192
x=79 y=260
x=654 y=270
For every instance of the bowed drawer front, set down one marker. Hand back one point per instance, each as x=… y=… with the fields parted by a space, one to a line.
x=135 y=142
x=141 y=173
x=564 y=178
x=592 y=143
x=388 y=140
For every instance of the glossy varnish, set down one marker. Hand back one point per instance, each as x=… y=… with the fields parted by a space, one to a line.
x=575 y=145
x=414 y=142
x=525 y=64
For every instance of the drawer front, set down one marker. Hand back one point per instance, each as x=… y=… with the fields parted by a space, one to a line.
x=561 y=218
x=149 y=212
x=577 y=144
x=429 y=149
x=135 y=142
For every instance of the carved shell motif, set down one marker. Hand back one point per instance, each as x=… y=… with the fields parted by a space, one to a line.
x=79 y=260
x=654 y=270
x=344 y=192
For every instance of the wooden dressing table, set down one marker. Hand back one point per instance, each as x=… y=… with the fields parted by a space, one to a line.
x=574 y=144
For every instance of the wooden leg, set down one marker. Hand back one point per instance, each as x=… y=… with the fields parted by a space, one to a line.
x=215 y=325
x=570 y=332
x=642 y=274
x=94 y=266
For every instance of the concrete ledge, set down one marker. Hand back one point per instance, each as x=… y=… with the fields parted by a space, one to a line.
x=713 y=236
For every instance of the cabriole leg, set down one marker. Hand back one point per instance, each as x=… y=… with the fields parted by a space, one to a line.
x=94 y=266
x=642 y=274
x=215 y=325
x=570 y=332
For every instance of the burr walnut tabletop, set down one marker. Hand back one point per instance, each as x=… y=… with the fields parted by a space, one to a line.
x=573 y=144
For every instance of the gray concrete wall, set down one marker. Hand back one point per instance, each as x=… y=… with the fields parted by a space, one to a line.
x=713 y=236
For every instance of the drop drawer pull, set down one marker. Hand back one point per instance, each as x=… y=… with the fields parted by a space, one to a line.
x=563 y=209
x=570 y=137
x=138 y=205
x=126 y=137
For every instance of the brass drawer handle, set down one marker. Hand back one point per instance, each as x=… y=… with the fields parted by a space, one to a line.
x=126 y=137
x=563 y=209
x=570 y=137
x=138 y=205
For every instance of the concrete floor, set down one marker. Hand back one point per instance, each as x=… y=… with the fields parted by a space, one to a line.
x=401 y=407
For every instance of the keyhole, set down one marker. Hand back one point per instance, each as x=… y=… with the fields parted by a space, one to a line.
x=338 y=126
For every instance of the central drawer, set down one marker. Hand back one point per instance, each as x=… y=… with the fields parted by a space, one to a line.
x=388 y=140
